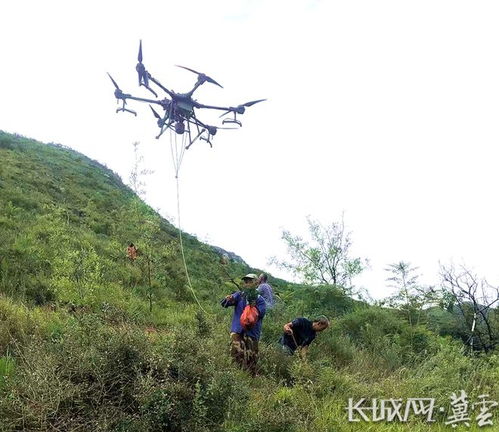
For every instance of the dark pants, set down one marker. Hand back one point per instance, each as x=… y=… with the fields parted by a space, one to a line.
x=244 y=351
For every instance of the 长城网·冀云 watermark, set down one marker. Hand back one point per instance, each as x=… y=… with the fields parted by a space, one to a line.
x=460 y=411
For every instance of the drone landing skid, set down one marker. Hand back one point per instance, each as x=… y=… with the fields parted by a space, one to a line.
x=163 y=128
x=127 y=110
x=233 y=121
x=195 y=139
x=207 y=139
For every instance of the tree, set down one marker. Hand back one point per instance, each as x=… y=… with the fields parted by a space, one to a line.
x=325 y=259
x=147 y=227
x=137 y=174
x=474 y=299
x=410 y=295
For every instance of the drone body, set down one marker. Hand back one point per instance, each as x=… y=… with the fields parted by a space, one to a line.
x=180 y=108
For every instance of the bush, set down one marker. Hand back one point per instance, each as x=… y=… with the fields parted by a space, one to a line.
x=365 y=324
x=39 y=293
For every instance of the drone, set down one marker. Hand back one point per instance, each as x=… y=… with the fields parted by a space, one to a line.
x=179 y=109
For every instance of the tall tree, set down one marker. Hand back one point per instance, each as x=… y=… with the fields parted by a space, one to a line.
x=410 y=296
x=325 y=258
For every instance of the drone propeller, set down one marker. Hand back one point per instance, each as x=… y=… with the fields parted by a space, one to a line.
x=114 y=82
x=241 y=108
x=201 y=76
x=155 y=113
x=141 y=69
x=143 y=74
x=248 y=104
x=118 y=94
x=139 y=58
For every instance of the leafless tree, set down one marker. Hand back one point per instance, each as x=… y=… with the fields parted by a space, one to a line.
x=475 y=299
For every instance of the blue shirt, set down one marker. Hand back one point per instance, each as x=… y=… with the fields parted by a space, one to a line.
x=239 y=302
x=266 y=291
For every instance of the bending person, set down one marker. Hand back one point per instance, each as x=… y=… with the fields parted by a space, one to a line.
x=300 y=333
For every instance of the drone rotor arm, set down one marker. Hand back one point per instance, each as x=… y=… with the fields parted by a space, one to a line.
x=161 y=86
x=151 y=90
x=199 y=105
x=194 y=120
x=143 y=99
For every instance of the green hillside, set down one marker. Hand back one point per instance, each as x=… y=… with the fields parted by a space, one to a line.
x=91 y=341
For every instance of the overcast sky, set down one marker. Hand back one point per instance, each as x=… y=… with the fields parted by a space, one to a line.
x=384 y=110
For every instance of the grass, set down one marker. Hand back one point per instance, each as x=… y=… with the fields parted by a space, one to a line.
x=81 y=350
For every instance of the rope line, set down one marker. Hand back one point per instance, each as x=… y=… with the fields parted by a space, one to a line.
x=177 y=161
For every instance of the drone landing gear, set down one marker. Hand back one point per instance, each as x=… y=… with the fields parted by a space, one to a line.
x=195 y=139
x=163 y=128
x=126 y=109
x=207 y=139
x=232 y=121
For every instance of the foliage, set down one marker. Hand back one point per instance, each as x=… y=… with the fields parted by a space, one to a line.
x=410 y=297
x=325 y=259
x=81 y=348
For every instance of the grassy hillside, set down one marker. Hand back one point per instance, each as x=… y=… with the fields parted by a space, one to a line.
x=66 y=221
x=92 y=341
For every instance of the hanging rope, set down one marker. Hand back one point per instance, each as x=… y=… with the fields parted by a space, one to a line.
x=177 y=148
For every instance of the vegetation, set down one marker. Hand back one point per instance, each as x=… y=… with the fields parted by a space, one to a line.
x=92 y=341
x=410 y=296
x=325 y=259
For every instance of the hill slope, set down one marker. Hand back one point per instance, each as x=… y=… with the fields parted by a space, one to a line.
x=56 y=203
x=92 y=341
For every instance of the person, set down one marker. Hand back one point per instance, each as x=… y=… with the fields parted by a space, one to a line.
x=299 y=334
x=265 y=290
x=131 y=252
x=244 y=343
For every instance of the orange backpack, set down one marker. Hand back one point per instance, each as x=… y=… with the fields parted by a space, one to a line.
x=249 y=317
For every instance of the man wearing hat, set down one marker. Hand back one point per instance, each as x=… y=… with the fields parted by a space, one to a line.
x=244 y=342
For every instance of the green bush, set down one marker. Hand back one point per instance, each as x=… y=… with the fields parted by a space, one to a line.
x=80 y=349
x=7 y=367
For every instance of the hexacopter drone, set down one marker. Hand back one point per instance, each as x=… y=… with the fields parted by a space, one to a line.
x=179 y=109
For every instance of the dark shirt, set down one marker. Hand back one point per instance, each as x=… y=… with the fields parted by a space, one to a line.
x=239 y=301
x=303 y=333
